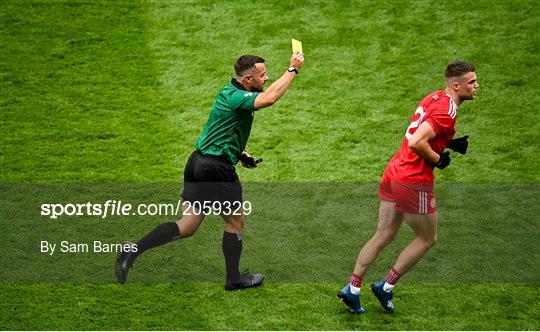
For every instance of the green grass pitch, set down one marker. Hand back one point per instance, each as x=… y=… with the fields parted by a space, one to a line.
x=105 y=99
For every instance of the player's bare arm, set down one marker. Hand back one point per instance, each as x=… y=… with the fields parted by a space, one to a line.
x=419 y=143
x=279 y=87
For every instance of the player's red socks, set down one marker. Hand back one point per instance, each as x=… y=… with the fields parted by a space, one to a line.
x=355 y=280
x=355 y=283
x=391 y=279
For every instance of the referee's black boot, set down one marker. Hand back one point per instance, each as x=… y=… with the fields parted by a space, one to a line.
x=124 y=261
x=246 y=281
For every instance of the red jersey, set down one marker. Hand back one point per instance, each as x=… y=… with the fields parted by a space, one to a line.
x=439 y=110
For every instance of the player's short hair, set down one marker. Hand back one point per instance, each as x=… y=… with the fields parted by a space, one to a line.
x=457 y=69
x=245 y=63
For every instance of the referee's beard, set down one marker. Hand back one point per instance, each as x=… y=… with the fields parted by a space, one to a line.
x=256 y=88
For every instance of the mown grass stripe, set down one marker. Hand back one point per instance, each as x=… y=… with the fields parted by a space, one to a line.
x=206 y=306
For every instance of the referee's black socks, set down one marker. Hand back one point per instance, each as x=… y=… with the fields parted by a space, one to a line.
x=232 y=250
x=163 y=233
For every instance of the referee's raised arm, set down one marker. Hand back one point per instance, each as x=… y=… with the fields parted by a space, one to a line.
x=278 y=88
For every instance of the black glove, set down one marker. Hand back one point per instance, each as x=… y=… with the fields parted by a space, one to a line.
x=249 y=160
x=459 y=144
x=444 y=160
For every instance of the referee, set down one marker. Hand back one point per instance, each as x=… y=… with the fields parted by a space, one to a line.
x=210 y=174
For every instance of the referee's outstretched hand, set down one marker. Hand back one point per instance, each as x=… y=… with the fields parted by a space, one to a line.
x=459 y=145
x=297 y=60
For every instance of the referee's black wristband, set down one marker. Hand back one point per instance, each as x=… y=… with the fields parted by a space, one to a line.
x=292 y=69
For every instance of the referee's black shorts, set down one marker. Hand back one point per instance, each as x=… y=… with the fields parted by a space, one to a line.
x=210 y=178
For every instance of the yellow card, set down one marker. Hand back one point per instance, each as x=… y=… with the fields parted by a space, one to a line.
x=296 y=45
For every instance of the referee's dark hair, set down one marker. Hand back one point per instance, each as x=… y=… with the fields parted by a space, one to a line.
x=245 y=63
x=457 y=69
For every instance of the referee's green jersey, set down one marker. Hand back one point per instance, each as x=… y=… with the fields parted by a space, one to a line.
x=227 y=130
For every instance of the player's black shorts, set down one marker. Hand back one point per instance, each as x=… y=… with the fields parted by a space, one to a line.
x=210 y=178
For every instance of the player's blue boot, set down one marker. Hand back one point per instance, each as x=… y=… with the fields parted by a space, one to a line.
x=352 y=301
x=384 y=297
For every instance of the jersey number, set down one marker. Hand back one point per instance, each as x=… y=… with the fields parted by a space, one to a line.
x=415 y=122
